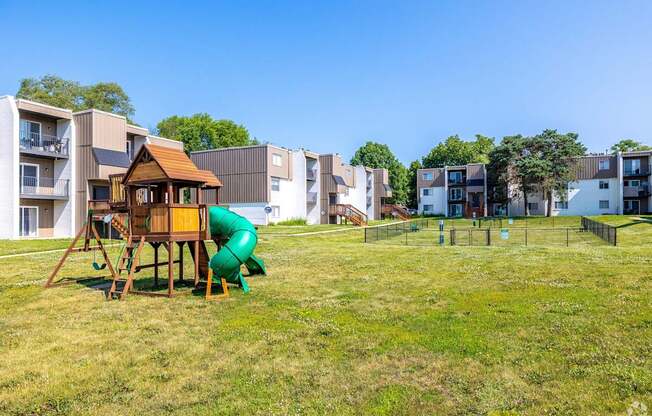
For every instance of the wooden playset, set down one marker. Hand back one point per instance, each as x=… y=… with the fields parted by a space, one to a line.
x=148 y=205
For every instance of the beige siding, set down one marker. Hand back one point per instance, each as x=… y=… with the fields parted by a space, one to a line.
x=474 y=172
x=587 y=167
x=381 y=178
x=109 y=131
x=243 y=172
x=285 y=170
x=86 y=165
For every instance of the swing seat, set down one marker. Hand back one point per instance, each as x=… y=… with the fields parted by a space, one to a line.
x=99 y=267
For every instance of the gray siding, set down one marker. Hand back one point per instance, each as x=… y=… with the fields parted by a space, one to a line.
x=243 y=172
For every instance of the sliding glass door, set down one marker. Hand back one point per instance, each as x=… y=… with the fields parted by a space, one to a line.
x=28 y=221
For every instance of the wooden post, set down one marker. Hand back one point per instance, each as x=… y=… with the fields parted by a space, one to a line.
x=170 y=268
x=196 y=262
x=156 y=246
x=181 y=261
x=106 y=256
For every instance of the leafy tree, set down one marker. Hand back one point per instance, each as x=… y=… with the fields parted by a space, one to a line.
x=108 y=96
x=52 y=90
x=454 y=151
x=528 y=164
x=559 y=152
x=201 y=132
x=413 y=201
x=56 y=91
x=629 y=145
x=377 y=155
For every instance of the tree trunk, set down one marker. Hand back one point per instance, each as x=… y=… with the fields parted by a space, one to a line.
x=549 y=203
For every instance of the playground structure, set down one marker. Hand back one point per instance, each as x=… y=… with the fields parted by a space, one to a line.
x=146 y=206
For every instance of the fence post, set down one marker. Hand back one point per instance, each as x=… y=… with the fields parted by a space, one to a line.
x=615 y=234
x=488 y=236
x=365 y=235
x=566 y=236
x=526 y=232
x=406 y=234
x=470 y=237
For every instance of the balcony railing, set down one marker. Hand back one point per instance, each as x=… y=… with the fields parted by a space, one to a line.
x=636 y=191
x=457 y=181
x=311 y=197
x=44 y=143
x=642 y=171
x=311 y=174
x=31 y=185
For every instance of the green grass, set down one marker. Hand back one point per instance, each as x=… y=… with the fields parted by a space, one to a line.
x=340 y=327
x=20 y=246
x=293 y=221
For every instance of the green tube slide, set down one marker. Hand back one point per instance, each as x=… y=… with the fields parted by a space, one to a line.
x=241 y=239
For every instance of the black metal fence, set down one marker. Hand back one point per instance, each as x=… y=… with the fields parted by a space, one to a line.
x=605 y=231
x=433 y=231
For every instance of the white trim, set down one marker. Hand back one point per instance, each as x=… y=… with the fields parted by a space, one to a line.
x=20 y=226
x=40 y=128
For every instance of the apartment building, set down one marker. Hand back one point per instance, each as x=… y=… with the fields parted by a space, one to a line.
x=37 y=164
x=603 y=184
x=453 y=191
x=56 y=160
x=267 y=183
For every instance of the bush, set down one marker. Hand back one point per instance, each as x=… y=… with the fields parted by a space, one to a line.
x=293 y=221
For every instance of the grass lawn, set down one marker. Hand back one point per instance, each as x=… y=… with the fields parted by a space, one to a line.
x=340 y=327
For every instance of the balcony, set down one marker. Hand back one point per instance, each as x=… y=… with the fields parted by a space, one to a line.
x=456 y=181
x=642 y=171
x=311 y=174
x=311 y=198
x=43 y=188
x=44 y=145
x=636 y=191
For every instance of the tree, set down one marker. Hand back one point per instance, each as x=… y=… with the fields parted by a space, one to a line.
x=52 y=90
x=629 y=145
x=413 y=200
x=455 y=151
x=108 y=96
x=377 y=155
x=559 y=153
x=201 y=132
x=56 y=91
x=543 y=163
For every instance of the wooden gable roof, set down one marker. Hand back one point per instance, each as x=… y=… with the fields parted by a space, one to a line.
x=159 y=163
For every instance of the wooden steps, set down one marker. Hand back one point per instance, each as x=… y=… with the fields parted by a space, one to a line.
x=129 y=261
x=351 y=213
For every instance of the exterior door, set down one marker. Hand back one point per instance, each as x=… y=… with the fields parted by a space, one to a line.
x=28 y=221
x=29 y=178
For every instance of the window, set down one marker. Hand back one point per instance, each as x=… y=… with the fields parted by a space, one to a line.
x=604 y=185
x=632 y=206
x=276 y=184
x=276 y=211
x=603 y=164
x=427 y=208
x=30 y=132
x=632 y=166
x=634 y=183
x=604 y=204
x=427 y=176
x=426 y=192
x=346 y=191
x=455 y=194
x=277 y=160
x=455 y=210
x=561 y=204
x=475 y=200
x=533 y=206
x=100 y=193
x=455 y=177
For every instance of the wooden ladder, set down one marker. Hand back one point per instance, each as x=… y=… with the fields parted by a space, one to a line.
x=122 y=228
x=129 y=262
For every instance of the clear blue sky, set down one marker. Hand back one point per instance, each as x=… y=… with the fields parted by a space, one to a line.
x=330 y=75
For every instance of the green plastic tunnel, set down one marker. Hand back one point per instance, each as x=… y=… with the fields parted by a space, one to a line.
x=238 y=250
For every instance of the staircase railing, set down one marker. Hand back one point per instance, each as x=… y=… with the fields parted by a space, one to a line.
x=351 y=213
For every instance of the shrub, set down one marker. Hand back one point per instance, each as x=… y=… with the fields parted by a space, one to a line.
x=293 y=221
